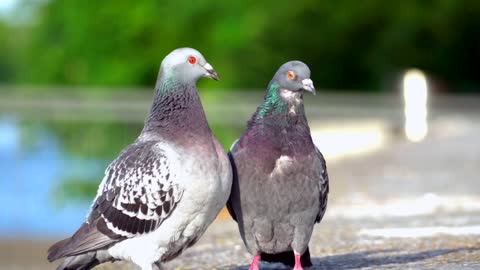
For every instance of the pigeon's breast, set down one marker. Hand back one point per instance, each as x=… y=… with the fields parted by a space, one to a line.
x=206 y=178
x=277 y=203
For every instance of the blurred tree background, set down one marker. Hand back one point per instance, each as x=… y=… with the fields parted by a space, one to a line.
x=348 y=44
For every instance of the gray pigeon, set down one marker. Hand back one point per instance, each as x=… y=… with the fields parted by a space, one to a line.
x=163 y=191
x=280 y=180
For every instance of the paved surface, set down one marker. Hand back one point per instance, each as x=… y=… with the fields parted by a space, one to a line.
x=408 y=206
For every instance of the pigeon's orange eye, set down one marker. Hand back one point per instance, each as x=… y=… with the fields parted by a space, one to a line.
x=291 y=75
x=192 y=60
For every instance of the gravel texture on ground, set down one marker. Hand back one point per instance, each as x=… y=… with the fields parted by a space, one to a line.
x=336 y=244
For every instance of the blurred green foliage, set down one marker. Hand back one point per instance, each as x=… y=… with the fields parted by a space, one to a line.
x=102 y=140
x=348 y=44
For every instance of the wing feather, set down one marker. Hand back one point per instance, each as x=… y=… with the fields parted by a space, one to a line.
x=139 y=193
x=324 y=186
x=135 y=197
x=229 y=205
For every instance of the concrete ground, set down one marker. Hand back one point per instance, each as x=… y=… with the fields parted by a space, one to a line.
x=403 y=206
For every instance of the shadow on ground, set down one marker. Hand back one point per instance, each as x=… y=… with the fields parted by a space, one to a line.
x=362 y=259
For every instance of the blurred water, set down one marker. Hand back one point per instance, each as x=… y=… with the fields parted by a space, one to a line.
x=34 y=163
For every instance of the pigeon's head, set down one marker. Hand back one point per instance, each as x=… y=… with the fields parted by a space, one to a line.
x=294 y=76
x=187 y=65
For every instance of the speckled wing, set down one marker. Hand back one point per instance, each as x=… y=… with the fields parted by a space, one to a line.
x=323 y=184
x=137 y=194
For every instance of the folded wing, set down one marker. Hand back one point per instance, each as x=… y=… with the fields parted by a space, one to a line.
x=137 y=194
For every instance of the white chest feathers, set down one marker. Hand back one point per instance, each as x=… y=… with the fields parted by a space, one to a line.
x=282 y=164
x=293 y=98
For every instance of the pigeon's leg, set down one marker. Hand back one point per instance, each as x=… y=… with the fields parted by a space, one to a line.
x=298 y=263
x=254 y=265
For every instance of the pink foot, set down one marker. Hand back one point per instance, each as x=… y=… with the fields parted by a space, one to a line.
x=254 y=265
x=298 y=264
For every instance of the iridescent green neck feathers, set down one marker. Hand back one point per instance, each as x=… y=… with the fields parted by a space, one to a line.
x=273 y=103
x=280 y=102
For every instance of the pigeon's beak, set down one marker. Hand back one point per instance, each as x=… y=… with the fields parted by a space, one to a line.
x=308 y=86
x=211 y=73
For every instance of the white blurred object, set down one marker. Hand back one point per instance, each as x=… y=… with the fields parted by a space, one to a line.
x=337 y=141
x=415 y=97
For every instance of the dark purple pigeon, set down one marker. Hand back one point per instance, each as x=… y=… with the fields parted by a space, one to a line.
x=280 y=182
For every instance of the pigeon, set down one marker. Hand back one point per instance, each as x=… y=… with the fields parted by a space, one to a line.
x=162 y=192
x=280 y=181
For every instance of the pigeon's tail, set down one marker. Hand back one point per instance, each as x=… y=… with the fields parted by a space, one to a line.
x=287 y=258
x=86 y=240
x=81 y=262
x=56 y=251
